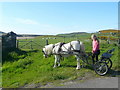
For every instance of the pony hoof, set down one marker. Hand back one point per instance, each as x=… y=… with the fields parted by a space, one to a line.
x=54 y=67
x=59 y=65
x=78 y=68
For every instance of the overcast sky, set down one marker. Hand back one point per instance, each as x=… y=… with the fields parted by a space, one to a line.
x=57 y=17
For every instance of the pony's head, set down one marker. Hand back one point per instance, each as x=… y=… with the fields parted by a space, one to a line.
x=44 y=53
x=47 y=50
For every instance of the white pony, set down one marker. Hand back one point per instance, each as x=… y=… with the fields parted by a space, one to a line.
x=72 y=48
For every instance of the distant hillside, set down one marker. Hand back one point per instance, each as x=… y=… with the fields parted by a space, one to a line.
x=71 y=34
x=78 y=33
x=2 y=32
x=27 y=35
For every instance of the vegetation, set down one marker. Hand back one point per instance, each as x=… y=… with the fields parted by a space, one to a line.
x=109 y=31
x=25 y=66
x=111 y=34
x=108 y=37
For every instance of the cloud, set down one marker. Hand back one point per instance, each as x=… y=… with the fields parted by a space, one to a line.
x=26 y=21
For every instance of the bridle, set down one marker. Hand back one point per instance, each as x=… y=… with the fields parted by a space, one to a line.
x=44 y=53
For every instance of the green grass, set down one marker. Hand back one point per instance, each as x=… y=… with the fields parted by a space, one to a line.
x=25 y=67
x=36 y=69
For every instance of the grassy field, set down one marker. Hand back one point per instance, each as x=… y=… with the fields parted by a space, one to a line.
x=26 y=67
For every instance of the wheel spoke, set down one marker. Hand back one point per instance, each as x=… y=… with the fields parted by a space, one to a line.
x=108 y=62
x=101 y=68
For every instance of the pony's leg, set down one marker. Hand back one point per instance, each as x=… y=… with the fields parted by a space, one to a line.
x=78 y=62
x=55 y=63
x=57 y=60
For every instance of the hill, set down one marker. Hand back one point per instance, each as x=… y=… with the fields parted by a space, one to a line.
x=2 y=32
x=27 y=35
x=71 y=34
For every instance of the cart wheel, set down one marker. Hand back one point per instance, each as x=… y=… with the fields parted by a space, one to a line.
x=108 y=62
x=101 y=68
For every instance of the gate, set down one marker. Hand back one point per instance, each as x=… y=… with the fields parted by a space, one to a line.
x=29 y=44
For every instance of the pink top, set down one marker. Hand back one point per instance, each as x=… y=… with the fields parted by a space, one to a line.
x=95 y=45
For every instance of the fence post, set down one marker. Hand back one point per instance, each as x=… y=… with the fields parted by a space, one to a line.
x=64 y=38
x=119 y=41
x=47 y=42
x=17 y=43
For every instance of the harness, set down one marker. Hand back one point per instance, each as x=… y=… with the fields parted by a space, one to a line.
x=71 y=50
x=74 y=49
x=61 y=44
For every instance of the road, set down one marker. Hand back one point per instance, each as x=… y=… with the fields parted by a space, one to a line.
x=83 y=82
x=108 y=82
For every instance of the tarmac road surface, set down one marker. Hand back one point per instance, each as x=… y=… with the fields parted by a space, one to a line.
x=108 y=82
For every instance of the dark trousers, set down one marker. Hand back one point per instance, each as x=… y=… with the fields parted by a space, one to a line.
x=95 y=55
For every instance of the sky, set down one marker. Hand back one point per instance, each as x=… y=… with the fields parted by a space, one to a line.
x=51 y=18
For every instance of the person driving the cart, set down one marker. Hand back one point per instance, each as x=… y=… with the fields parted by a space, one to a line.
x=95 y=47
